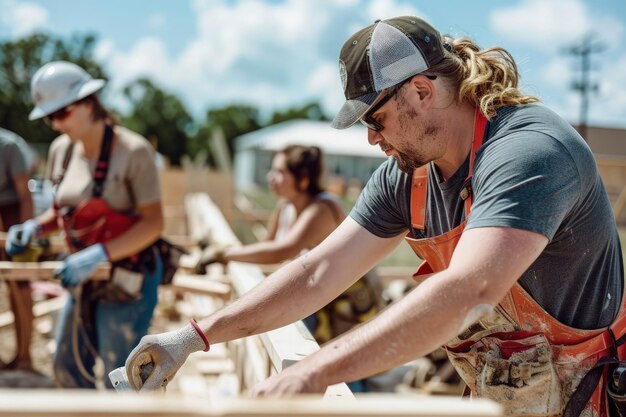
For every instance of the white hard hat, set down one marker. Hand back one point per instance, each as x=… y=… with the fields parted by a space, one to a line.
x=58 y=84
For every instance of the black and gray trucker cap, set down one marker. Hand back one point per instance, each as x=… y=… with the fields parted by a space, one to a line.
x=380 y=56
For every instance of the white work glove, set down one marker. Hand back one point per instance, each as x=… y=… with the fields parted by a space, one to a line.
x=165 y=353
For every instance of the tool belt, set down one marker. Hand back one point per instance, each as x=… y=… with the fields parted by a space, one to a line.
x=126 y=280
x=616 y=390
x=356 y=305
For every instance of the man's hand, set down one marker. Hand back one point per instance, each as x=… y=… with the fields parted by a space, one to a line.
x=20 y=235
x=291 y=381
x=77 y=267
x=166 y=352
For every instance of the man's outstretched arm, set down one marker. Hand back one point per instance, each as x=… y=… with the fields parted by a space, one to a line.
x=302 y=286
x=293 y=292
x=485 y=265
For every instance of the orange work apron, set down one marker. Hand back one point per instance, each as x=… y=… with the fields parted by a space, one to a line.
x=519 y=355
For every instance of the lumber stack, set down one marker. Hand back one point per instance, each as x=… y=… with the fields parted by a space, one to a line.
x=217 y=383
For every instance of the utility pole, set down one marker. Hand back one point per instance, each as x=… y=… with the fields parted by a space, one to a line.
x=584 y=84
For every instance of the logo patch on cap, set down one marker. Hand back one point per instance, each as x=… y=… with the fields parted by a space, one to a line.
x=344 y=75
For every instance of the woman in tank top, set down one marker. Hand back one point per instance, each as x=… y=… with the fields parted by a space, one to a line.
x=303 y=218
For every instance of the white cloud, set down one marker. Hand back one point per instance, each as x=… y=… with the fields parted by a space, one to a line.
x=23 y=18
x=557 y=72
x=324 y=78
x=156 y=21
x=272 y=55
x=549 y=25
x=385 y=9
x=612 y=93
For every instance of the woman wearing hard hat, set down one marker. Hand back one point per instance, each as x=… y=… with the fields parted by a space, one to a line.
x=108 y=201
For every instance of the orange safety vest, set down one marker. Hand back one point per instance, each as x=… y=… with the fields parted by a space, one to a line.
x=519 y=355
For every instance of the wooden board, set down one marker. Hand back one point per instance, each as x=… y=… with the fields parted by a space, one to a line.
x=27 y=271
x=40 y=309
x=200 y=284
x=285 y=345
x=68 y=403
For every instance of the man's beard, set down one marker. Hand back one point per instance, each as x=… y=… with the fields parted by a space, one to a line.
x=418 y=131
x=412 y=159
x=408 y=162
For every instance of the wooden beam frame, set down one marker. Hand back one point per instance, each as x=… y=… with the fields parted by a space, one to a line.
x=83 y=403
x=285 y=345
x=28 y=271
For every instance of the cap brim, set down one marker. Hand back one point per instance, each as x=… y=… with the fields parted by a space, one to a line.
x=85 y=90
x=353 y=110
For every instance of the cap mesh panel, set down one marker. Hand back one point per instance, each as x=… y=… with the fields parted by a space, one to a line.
x=393 y=57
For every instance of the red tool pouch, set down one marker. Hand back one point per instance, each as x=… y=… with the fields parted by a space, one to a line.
x=93 y=221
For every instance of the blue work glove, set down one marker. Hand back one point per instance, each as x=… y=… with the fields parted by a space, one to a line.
x=79 y=266
x=20 y=235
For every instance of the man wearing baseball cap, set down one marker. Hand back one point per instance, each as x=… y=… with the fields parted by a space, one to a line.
x=500 y=197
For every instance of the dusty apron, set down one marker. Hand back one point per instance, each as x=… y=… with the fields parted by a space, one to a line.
x=519 y=355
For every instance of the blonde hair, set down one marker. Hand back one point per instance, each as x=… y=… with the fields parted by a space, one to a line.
x=487 y=78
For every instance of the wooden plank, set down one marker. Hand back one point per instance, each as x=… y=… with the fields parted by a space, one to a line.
x=257 y=361
x=27 y=271
x=284 y=346
x=56 y=243
x=620 y=203
x=200 y=284
x=40 y=309
x=85 y=403
x=183 y=241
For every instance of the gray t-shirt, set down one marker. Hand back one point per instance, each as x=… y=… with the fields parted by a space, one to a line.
x=533 y=172
x=15 y=159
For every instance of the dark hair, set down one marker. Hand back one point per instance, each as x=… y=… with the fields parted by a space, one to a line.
x=98 y=111
x=305 y=162
x=487 y=78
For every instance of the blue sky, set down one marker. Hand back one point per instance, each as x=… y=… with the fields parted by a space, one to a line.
x=275 y=54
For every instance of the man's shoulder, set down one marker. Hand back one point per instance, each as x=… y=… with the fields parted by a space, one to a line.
x=9 y=139
x=529 y=119
x=534 y=130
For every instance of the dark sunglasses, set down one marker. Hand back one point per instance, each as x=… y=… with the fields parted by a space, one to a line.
x=60 y=114
x=368 y=118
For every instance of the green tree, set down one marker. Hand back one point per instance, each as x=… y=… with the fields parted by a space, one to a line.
x=311 y=111
x=233 y=120
x=18 y=62
x=159 y=116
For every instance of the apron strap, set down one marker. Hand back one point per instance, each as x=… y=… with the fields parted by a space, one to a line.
x=419 y=187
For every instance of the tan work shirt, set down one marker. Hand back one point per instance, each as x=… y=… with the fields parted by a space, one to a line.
x=132 y=180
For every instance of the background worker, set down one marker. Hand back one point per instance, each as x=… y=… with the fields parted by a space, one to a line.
x=537 y=260
x=303 y=218
x=17 y=163
x=108 y=199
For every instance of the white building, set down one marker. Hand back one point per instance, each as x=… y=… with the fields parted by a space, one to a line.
x=347 y=153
